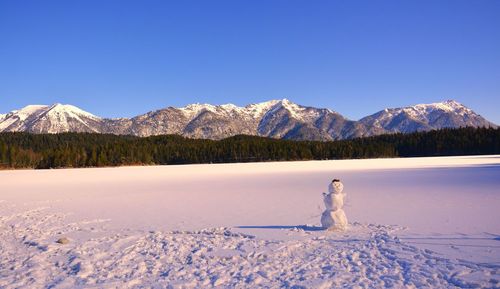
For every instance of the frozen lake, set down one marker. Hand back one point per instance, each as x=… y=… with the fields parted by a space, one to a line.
x=422 y=222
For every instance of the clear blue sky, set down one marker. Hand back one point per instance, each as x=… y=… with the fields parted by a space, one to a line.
x=123 y=58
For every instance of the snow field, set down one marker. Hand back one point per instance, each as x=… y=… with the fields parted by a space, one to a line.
x=366 y=256
x=415 y=223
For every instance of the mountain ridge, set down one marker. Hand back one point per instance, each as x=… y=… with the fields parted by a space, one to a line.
x=281 y=119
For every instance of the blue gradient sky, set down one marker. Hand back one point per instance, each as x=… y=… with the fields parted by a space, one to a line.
x=123 y=58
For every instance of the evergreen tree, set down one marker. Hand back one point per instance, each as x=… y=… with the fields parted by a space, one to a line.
x=24 y=150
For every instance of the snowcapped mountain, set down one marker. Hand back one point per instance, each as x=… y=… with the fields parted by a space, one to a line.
x=276 y=118
x=422 y=117
x=50 y=119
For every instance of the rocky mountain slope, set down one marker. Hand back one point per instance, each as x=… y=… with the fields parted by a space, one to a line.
x=276 y=118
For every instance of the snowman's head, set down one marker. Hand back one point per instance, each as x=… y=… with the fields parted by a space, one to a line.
x=335 y=187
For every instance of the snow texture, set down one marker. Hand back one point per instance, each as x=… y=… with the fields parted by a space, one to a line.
x=415 y=223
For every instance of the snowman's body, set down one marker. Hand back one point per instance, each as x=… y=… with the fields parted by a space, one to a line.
x=333 y=202
x=334 y=220
x=334 y=216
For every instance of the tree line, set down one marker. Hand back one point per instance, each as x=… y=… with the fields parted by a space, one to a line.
x=43 y=151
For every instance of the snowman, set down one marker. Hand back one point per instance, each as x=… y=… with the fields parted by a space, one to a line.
x=334 y=218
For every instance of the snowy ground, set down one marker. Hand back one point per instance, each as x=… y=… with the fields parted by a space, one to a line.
x=423 y=222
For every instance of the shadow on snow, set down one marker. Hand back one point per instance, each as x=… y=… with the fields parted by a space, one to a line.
x=300 y=227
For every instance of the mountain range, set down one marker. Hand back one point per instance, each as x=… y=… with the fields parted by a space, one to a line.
x=281 y=119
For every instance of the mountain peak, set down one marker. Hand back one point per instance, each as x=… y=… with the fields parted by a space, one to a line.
x=449 y=105
x=71 y=110
x=30 y=108
x=34 y=106
x=452 y=104
x=194 y=109
x=27 y=111
x=258 y=109
x=290 y=106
